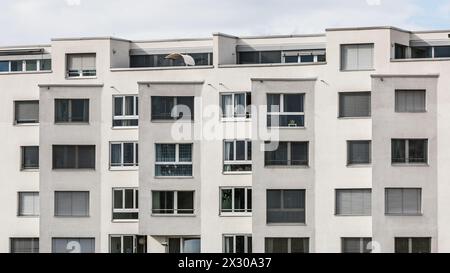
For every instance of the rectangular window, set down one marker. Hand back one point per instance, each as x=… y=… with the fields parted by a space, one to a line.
x=30 y=157
x=287 y=245
x=236 y=105
x=45 y=65
x=252 y=57
x=286 y=154
x=4 y=66
x=24 y=245
x=237 y=156
x=304 y=56
x=442 y=51
x=406 y=151
x=16 y=66
x=173 y=202
x=26 y=112
x=412 y=245
x=354 y=202
x=285 y=110
x=81 y=65
x=354 y=104
x=73 y=245
x=410 y=101
x=285 y=206
x=172 y=108
x=31 y=65
x=125 y=111
x=173 y=160
x=126 y=204
x=235 y=200
x=159 y=60
x=73 y=157
x=356 y=245
x=71 y=110
x=71 y=203
x=127 y=244
x=124 y=154
x=359 y=152
x=403 y=201
x=28 y=204
x=237 y=244
x=421 y=52
x=357 y=57
x=400 y=51
x=184 y=245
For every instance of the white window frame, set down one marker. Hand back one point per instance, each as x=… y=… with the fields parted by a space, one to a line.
x=122 y=165
x=300 y=53
x=177 y=159
x=181 y=242
x=126 y=117
x=283 y=113
x=175 y=205
x=135 y=208
x=19 y=203
x=234 y=116
x=121 y=242
x=24 y=68
x=234 y=236
x=247 y=161
x=233 y=212
x=81 y=72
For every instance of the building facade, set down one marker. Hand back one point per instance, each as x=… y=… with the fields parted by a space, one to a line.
x=332 y=142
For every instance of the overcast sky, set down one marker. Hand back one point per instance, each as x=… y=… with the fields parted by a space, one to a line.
x=37 y=21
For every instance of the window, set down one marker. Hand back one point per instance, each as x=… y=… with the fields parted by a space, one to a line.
x=259 y=57
x=172 y=108
x=71 y=110
x=359 y=152
x=406 y=151
x=173 y=160
x=356 y=245
x=45 y=65
x=184 y=245
x=4 y=66
x=26 y=112
x=16 y=66
x=410 y=101
x=30 y=157
x=304 y=56
x=125 y=204
x=442 y=51
x=124 y=154
x=412 y=245
x=71 y=204
x=400 y=51
x=421 y=52
x=237 y=156
x=286 y=154
x=127 y=244
x=173 y=202
x=159 y=60
x=73 y=157
x=81 y=65
x=236 y=105
x=236 y=200
x=73 y=245
x=403 y=201
x=24 y=245
x=28 y=204
x=357 y=57
x=354 y=202
x=126 y=111
x=354 y=104
x=26 y=65
x=285 y=110
x=287 y=245
x=285 y=206
x=237 y=244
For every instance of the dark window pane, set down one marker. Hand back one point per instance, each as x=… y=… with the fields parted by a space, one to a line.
x=400 y=51
x=45 y=64
x=118 y=106
x=417 y=151
x=174 y=245
x=276 y=245
x=421 y=245
x=299 y=153
x=162 y=107
x=307 y=58
x=128 y=154
x=249 y=57
x=359 y=152
x=61 y=110
x=118 y=199
x=442 y=51
x=185 y=202
x=273 y=103
x=116 y=245
x=129 y=105
x=227 y=200
x=16 y=66
x=80 y=110
x=293 y=103
x=239 y=200
x=129 y=198
x=355 y=104
x=185 y=108
x=162 y=202
x=421 y=52
x=86 y=157
x=4 y=66
x=299 y=245
x=240 y=244
x=401 y=245
x=291 y=59
x=398 y=151
x=64 y=157
x=278 y=157
x=270 y=57
x=165 y=152
x=141 y=61
x=249 y=199
x=240 y=150
x=30 y=157
x=116 y=155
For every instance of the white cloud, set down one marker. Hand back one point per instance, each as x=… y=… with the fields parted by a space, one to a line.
x=31 y=21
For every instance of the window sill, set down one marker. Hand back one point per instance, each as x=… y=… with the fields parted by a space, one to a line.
x=405 y=113
x=287 y=167
x=363 y=165
x=71 y=217
x=25 y=72
x=81 y=78
x=288 y=128
x=26 y=124
x=30 y=170
x=123 y=168
x=357 y=70
x=173 y=177
x=236 y=173
x=125 y=128
x=235 y=119
x=161 y=68
x=28 y=216
x=286 y=224
x=407 y=215
x=73 y=170
x=405 y=165
x=173 y=215
x=171 y=121
x=270 y=65
x=352 y=118
x=125 y=221
x=351 y=215
x=419 y=60
x=235 y=214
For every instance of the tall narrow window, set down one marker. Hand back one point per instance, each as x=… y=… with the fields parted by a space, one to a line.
x=403 y=201
x=236 y=200
x=236 y=105
x=28 y=203
x=125 y=204
x=73 y=245
x=354 y=104
x=237 y=244
x=125 y=111
x=173 y=202
x=359 y=152
x=73 y=157
x=354 y=202
x=173 y=160
x=357 y=57
x=71 y=110
x=287 y=245
x=30 y=157
x=237 y=156
x=406 y=151
x=81 y=65
x=71 y=204
x=287 y=154
x=285 y=110
x=26 y=112
x=172 y=108
x=24 y=245
x=410 y=101
x=356 y=245
x=124 y=154
x=412 y=245
x=286 y=206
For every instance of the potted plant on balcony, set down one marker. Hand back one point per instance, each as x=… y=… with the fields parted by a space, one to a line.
x=292 y=123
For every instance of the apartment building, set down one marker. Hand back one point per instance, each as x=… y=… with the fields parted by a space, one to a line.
x=332 y=142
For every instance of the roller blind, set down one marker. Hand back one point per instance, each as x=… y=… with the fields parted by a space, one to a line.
x=285 y=206
x=353 y=202
x=29 y=203
x=73 y=245
x=410 y=101
x=355 y=104
x=72 y=204
x=403 y=201
x=359 y=152
x=27 y=111
x=81 y=62
x=357 y=57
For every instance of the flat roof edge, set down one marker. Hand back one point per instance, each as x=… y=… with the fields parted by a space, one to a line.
x=70 y=85
x=285 y=79
x=366 y=28
x=89 y=38
x=405 y=75
x=170 y=82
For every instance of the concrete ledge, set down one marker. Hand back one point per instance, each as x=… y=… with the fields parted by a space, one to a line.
x=71 y=85
x=405 y=75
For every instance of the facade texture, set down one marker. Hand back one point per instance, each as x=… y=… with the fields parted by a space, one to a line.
x=332 y=142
